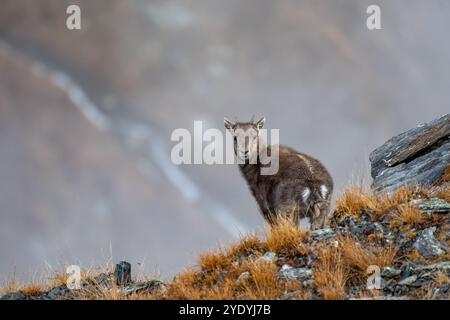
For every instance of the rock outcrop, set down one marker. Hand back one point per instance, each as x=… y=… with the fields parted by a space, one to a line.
x=420 y=156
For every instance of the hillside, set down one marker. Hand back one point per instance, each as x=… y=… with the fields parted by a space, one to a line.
x=405 y=235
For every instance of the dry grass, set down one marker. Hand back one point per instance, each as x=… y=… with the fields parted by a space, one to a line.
x=10 y=285
x=358 y=258
x=33 y=289
x=286 y=238
x=446 y=176
x=441 y=279
x=347 y=264
x=330 y=274
x=444 y=193
x=358 y=199
x=263 y=282
x=213 y=261
x=407 y=217
x=247 y=245
x=355 y=200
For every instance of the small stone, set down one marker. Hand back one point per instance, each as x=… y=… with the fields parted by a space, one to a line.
x=101 y=280
x=291 y=295
x=268 y=257
x=432 y=205
x=408 y=281
x=321 y=234
x=389 y=272
x=290 y=273
x=58 y=292
x=149 y=286
x=383 y=298
x=444 y=265
x=242 y=277
x=308 y=283
x=122 y=273
x=14 y=296
x=406 y=271
x=427 y=245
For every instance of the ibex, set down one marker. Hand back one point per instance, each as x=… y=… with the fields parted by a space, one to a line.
x=301 y=188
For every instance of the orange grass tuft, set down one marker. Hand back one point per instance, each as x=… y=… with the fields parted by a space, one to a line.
x=354 y=201
x=285 y=237
x=330 y=274
x=407 y=216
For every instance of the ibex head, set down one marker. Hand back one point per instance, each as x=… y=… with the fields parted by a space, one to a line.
x=246 y=138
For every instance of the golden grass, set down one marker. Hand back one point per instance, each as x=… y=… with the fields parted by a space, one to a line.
x=446 y=176
x=358 y=199
x=285 y=237
x=406 y=217
x=358 y=258
x=347 y=264
x=444 y=193
x=330 y=274
x=10 y=285
x=263 y=282
x=441 y=279
x=33 y=289
x=355 y=200
x=247 y=245
x=211 y=261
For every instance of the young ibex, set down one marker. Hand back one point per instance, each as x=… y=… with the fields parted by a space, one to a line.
x=301 y=188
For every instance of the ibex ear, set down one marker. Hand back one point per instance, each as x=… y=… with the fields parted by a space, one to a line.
x=260 y=123
x=228 y=124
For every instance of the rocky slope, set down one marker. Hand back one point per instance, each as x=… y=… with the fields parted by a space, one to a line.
x=403 y=238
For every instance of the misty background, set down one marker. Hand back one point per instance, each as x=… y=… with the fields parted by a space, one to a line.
x=86 y=116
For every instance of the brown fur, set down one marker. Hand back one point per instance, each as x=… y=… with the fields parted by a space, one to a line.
x=282 y=193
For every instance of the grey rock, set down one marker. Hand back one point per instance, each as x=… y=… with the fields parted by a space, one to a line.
x=428 y=246
x=321 y=234
x=305 y=261
x=406 y=271
x=102 y=280
x=418 y=156
x=427 y=275
x=390 y=235
x=151 y=286
x=408 y=281
x=291 y=273
x=122 y=273
x=444 y=265
x=389 y=272
x=432 y=205
x=14 y=296
x=57 y=293
x=242 y=277
x=290 y=295
x=382 y=298
x=353 y=227
x=268 y=257
x=378 y=227
x=308 y=283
